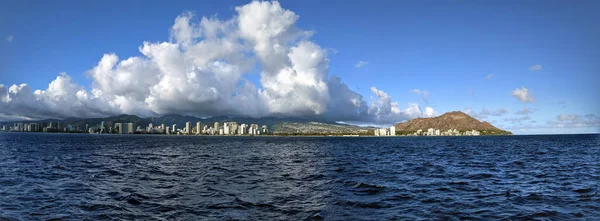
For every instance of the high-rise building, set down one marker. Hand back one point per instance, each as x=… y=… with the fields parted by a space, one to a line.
x=174 y=130
x=124 y=128
x=232 y=127
x=198 y=129
x=119 y=127
x=392 y=130
x=131 y=128
x=61 y=126
x=264 y=129
x=226 y=128
x=253 y=130
x=102 y=129
x=240 y=130
x=188 y=128
x=430 y=132
x=216 y=127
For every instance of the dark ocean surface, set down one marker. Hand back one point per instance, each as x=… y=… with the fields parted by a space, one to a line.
x=97 y=177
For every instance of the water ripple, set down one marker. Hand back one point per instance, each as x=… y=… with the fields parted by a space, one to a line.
x=76 y=177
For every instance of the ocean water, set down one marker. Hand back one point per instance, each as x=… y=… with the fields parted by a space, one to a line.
x=97 y=177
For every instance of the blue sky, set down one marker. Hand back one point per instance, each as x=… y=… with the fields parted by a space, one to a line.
x=467 y=55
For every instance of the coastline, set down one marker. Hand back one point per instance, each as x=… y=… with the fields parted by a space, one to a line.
x=276 y=135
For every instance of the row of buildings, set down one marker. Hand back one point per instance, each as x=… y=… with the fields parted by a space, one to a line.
x=217 y=128
x=226 y=128
x=43 y=127
x=391 y=131
x=451 y=132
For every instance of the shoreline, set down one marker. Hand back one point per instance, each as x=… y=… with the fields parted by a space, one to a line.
x=275 y=135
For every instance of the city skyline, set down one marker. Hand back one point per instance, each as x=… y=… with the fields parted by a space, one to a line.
x=225 y=129
x=527 y=71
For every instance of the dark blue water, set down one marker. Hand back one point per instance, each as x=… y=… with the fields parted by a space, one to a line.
x=74 y=177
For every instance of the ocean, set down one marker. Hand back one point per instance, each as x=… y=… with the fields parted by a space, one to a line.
x=153 y=177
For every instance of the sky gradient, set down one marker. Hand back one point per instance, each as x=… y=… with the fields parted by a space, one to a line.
x=530 y=67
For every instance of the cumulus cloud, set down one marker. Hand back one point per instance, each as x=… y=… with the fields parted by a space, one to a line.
x=423 y=94
x=61 y=99
x=9 y=38
x=360 y=64
x=384 y=109
x=489 y=76
x=523 y=95
x=575 y=120
x=537 y=67
x=429 y=112
x=201 y=71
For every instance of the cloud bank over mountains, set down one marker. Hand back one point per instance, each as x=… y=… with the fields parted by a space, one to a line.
x=201 y=71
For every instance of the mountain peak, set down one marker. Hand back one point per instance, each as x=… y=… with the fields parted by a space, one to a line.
x=456 y=115
x=451 y=120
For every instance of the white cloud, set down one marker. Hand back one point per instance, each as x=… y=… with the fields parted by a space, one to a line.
x=524 y=111
x=522 y=94
x=360 y=64
x=384 y=109
x=560 y=121
x=9 y=38
x=575 y=120
x=517 y=120
x=430 y=112
x=489 y=76
x=61 y=99
x=423 y=94
x=201 y=71
x=499 y=112
x=485 y=113
x=537 y=67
